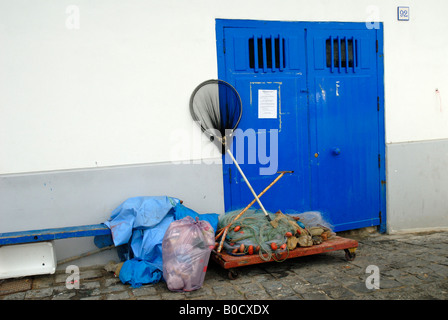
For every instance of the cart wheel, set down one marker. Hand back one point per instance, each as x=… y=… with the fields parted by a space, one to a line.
x=233 y=274
x=350 y=254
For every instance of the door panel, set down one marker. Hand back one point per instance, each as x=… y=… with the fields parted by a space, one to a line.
x=259 y=61
x=343 y=86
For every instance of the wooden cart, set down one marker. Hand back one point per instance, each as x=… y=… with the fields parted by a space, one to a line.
x=231 y=262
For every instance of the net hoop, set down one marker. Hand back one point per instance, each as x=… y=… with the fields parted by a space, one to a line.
x=208 y=82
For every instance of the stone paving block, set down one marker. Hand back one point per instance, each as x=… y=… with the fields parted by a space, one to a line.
x=413 y=263
x=417 y=271
x=111 y=281
x=393 y=295
x=242 y=278
x=360 y=288
x=118 y=296
x=147 y=290
x=173 y=296
x=422 y=293
x=46 y=281
x=39 y=293
x=61 y=289
x=351 y=270
x=64 y=296
x=277 y=290
x=261 y=277
x=317 y=295
x=226 y=291
x=386 y=283
x=282 y=274
x=429 y=277
x=295 y=297
x=361 y=262
x=338 y=293
x=89 y=285
x=428 y=256
x=204 y=292
x=61 y=278
x=300 y=287
x=115 y=288
x=92 y=298
x=394 y=273
x=305 y=272
x=441 y=290
x=10 y=286
x=257 y=295
x=440 y=270
x=89 y=292
x=250 y=288
x=318 y=279
x=409 y=280
x=255 y=271
x=152 y=297
x=90 y=274
x=14 y=296
x=84 y=274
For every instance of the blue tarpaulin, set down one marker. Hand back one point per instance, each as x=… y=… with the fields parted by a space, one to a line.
x=141 y=223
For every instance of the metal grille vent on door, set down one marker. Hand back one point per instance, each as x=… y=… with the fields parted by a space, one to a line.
x=342 y=54
x=267 y=54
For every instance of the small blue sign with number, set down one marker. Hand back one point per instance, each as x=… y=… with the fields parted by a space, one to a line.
x=403 y=13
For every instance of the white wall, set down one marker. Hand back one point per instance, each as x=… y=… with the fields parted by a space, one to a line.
x=109 y=93
x=114 y=91
x=415 y=66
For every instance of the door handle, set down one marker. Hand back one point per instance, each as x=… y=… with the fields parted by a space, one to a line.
x=336 y=151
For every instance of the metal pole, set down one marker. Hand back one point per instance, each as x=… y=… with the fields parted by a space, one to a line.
x=248 y=184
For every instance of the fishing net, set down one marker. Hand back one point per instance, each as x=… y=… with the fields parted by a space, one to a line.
x=253 y=234
x=217 y=108
x=311 y=219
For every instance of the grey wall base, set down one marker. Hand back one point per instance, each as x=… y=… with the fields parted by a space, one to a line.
x=79 y=197
x=417 y=186
x=417 y=194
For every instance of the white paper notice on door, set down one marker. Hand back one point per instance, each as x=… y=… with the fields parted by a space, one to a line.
x=267 y=104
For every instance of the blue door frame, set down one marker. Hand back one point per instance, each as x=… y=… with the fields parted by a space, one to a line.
x=301 y=82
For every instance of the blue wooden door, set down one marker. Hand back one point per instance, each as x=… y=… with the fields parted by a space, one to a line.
x=326 y=119
x=260 y=62
x=345 y=122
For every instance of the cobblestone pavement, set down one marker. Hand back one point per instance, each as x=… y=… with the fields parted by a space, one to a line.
x=410 y=267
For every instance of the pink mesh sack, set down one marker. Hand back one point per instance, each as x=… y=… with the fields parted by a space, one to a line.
x=186 y=249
